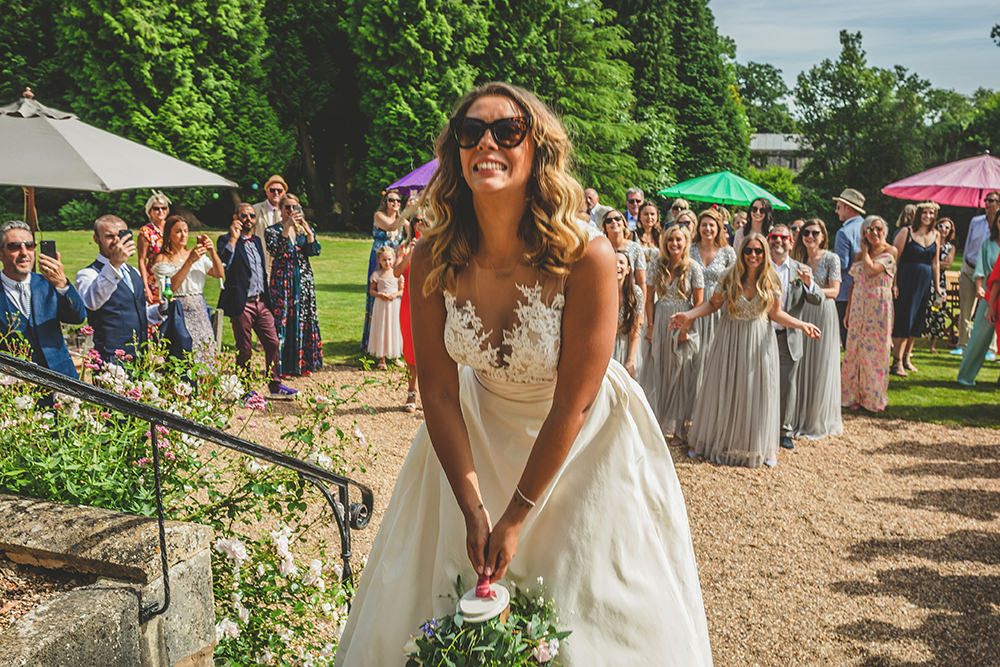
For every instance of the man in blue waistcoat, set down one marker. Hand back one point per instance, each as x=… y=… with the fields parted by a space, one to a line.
x=113 y=292
x=33 y=304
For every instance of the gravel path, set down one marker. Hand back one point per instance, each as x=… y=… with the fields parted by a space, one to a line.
x=878 y=547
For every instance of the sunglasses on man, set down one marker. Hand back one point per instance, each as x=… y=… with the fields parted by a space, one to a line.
x=14 y=246
x=633 y=200
x=276 y=191
x=507 y=132
x=778 y=237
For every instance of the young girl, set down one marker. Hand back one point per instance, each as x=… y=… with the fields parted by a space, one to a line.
x=386 y=338
x=736 y=418
x=670 y=375
x=629 y=315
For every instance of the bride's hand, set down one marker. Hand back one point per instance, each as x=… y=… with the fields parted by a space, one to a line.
x=502 y=546
x=477 y=537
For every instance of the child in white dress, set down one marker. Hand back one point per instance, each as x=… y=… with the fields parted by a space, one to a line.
x=385 y=338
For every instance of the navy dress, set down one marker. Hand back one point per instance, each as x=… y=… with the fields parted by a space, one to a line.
x=914 y=279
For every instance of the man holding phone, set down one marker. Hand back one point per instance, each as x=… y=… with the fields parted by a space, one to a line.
x=113 y=291
x=33 y=304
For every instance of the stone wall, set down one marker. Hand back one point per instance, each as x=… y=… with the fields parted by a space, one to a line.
x=99 y=624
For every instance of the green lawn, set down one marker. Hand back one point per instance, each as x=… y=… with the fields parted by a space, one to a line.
x=341 y=268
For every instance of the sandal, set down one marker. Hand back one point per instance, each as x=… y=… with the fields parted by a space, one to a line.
x=411 y=402
x=676 y=441
x=380 y=366
x=898 y=370
x=908 y=363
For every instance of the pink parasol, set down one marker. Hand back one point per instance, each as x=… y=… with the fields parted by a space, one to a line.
x=960 y=183
x=416 y=179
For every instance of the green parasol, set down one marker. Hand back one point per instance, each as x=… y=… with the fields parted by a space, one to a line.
x=723 y=187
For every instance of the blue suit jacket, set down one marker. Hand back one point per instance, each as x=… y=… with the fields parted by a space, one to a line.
x=43 y=332
x=233 y=298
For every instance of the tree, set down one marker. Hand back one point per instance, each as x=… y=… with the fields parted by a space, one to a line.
x=567 y=53
x=865 y=124
x=763 y=91
x=711 y=122
x=413 y=62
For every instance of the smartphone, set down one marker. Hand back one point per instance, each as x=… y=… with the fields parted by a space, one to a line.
x=49 y=248
x=296 y=208
x=124 y=233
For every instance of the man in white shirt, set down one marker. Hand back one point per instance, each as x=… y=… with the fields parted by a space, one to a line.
x=979 y=231
x=633 y=200
x=267 y=212
x=112 y=292
x=34 y=304
x=595 y=209
x=797 y=288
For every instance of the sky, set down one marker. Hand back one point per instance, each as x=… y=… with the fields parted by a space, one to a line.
x=945 y=41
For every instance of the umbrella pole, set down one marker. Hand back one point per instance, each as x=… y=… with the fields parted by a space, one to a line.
x=30 y=214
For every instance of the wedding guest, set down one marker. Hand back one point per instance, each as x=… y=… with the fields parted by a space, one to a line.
x=670 y=375
x=648 y=232
x=905 y=218
x=847 y=244
x=686 y=220
x=629 y=315
x=187 y=325
x=981 y=338
x=293 y=290
x=613 y=226
x=386 y=338
x=993 y=302
x=739 y=220
x=387 y=229
x=32 y=305
x=711 y=251
x=817 y=405
x=936 y=325
x=244 y=297
x=797 y=289
x=979 y=231
x=113 y=292
x=533 y=438
x=595 y=210
x=267 y=212
x=402 y=268
x=737 y=415
x=760 y=220
x=917 y=274
x=676 y=207
x=864 y=379
x=150 y=242
x=633 y=200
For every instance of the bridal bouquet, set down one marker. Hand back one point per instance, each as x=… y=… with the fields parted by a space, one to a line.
x=525 y=636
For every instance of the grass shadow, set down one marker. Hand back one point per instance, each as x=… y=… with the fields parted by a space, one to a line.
x=970 y=503
x=950 y=451
x=974 y=546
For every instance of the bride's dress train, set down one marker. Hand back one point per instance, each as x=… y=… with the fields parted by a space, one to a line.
x=609 y=536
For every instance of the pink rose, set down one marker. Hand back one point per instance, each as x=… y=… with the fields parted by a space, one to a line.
x=87 y=330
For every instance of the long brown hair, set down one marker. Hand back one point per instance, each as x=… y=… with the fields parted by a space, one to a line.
x=168 y=226
x=665 y=272
x=629 y=301
x=799 y=251
x=549 y=227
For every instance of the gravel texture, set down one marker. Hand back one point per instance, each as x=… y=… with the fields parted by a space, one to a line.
x=877 y=547
x=23 y=587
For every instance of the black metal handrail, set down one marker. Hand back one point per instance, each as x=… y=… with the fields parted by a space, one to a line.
x=349 y=515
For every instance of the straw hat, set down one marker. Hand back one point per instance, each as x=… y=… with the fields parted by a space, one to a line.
x=278 y=179
x=852 y=198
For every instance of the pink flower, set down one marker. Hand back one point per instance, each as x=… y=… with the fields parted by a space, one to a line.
x=105 y=415
x=134 y=393
x=91 y=366
x=256 y=402
x=252 y=424
x=162 y=430
x=87 y=330
x=169 y=456
x=120 y=353
x=359 y=435
x=143 y=462
x=94 y=355
x=542 y=651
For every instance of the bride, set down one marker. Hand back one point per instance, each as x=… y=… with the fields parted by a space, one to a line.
x=539 y=456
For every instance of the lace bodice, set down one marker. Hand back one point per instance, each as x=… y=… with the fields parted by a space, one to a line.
x=752 y=309
x=694 y=280
x=724 y=258
x=529 y=351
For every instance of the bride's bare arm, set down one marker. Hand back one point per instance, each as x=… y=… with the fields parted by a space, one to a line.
x=438 y=379
x=588 y=333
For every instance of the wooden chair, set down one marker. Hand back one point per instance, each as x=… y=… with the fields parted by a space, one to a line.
x=951 y=305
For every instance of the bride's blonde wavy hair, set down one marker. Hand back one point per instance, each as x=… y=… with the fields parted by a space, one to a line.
x=768 y=285
x=549 y=228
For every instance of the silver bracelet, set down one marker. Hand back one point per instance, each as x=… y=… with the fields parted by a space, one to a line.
x=517 y=490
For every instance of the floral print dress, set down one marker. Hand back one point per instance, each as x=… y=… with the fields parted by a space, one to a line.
x=293 y=302
x=864 y=375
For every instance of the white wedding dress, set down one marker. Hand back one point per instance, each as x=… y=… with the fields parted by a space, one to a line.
x=609 y=536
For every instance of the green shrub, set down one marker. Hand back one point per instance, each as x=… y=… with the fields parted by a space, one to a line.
x=78 y=214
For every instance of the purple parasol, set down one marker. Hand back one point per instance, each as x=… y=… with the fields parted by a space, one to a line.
x=416 y=179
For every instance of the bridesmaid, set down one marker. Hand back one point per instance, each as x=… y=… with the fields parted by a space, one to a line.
x=817 y=412
x=864 y=381
x=760 y=220
x=982 y=332
x=670 y=374
x=711 y=251
x=613 y=225
x=735 y=419
x=917 y=248
x=629 y=315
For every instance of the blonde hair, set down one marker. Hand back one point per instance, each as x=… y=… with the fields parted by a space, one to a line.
x=385 y=250
x=720 y=230
x=799 y=252
x=768 y=285
x=686 y=213
x=157 y=198
x=679 y=274
x=549 y=228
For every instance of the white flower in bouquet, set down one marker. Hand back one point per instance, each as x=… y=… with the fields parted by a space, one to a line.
x=226 y=628
x=230 y=387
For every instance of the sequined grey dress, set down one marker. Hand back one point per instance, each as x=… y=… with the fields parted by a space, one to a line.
x=817 y=407
x=670 y=375
x=736 y=417
x=724 y=258
x=620 y=353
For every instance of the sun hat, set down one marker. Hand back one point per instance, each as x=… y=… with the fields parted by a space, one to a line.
x=276 y=179
x=852 y=198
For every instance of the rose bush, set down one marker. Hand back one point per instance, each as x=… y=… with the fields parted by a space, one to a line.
x=57 y=448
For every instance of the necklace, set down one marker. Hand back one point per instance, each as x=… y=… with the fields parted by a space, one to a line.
x=504 y=272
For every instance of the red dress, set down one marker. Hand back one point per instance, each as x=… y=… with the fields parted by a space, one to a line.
x=993 y=279
x=404 y=316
